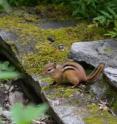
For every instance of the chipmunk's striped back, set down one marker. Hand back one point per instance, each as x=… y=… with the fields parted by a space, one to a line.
x=71 y=72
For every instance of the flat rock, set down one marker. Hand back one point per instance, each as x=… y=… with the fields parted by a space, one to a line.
x=96 y=52
x=47 y=24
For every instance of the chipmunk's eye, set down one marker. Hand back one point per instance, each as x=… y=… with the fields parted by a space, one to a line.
x=49 y=69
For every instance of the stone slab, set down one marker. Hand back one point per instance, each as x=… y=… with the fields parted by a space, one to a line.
x=96 y=52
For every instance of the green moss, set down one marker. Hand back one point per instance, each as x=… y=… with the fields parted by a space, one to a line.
x=92 y=120
x=114 y=106
x=69 y=92
x=46 y=88
x=86 y=31
x=46 y=79
x=101 y=119
x=60 y=91
x=108 y=50
x=93 y=108
x=29 y=33
x=98 y=116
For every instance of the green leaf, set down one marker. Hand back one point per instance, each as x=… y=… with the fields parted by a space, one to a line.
x=5 y=5
x=9 y=75
x=8 y=72
x=4 y=65
x=106 y=14
x=25 y=115
x=100 y=19
x=112 y=34
x=112 y=12
x=75 y=13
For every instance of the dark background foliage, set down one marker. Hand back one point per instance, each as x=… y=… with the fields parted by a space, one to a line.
x=101 y=12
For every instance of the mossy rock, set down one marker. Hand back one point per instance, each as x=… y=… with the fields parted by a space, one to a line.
x=33 y=39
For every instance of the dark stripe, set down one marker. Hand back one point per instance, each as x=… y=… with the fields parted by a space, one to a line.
x=65 y=69
x=70 y=65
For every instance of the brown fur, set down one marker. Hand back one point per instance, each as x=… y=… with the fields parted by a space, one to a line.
x=71 y=72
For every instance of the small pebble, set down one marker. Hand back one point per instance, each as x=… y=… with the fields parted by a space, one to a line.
x=51 y=38
x=6 y=114
x=61 y=47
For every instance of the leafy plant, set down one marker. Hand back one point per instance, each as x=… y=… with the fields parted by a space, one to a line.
x=8 y=72
x=22 y=2
x=84 y=8
x=106 y=17
x=4 y=6
x=103 y=12
x=113 y=33
x=25 y=115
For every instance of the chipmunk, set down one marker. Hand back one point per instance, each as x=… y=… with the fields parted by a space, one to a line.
x=71 y=72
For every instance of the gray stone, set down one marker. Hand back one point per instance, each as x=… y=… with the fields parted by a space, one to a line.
x=51 y=24
x=111 y=73
x=6 y=114
x=96 y=52
x=16 y=97
x=8 y=36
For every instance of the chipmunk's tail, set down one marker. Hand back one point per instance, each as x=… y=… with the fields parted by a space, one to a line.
x=96 y=73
